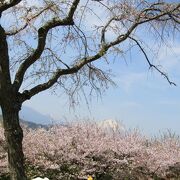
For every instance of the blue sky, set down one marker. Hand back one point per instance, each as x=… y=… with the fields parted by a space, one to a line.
x=142 y=99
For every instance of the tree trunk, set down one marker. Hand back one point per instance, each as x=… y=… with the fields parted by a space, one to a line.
x=14 y=136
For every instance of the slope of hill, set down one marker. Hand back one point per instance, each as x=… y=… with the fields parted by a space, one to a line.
x=31 y=115
x=34 y=116
x=27 y=123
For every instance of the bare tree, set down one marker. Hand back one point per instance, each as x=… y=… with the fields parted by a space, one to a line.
x=48 y=43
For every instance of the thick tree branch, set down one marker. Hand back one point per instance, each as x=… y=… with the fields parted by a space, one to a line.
x=5 y=79
x=74 y=69
x=4 y=60
x=42 y=35
x=73 y=8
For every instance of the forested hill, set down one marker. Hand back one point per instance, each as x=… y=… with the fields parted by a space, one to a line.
x=27 y=123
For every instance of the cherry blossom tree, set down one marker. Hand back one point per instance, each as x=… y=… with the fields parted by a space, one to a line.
x=47 y=43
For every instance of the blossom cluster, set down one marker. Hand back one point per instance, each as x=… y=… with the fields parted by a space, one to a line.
x=86 y=148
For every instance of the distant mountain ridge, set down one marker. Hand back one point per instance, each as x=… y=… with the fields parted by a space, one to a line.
x=26 y=123
x=34 y=119
x=31 y=115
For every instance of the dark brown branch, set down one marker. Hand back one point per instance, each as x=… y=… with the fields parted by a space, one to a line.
x=150 y=64
x=4 y=60
x=74 y=69
x=73 y=8
x=42 y=34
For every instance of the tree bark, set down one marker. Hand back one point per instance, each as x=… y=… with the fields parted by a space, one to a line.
x=14 y=136
x=10 y=106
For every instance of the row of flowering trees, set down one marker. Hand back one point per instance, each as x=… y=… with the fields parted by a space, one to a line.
x=85 y=149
